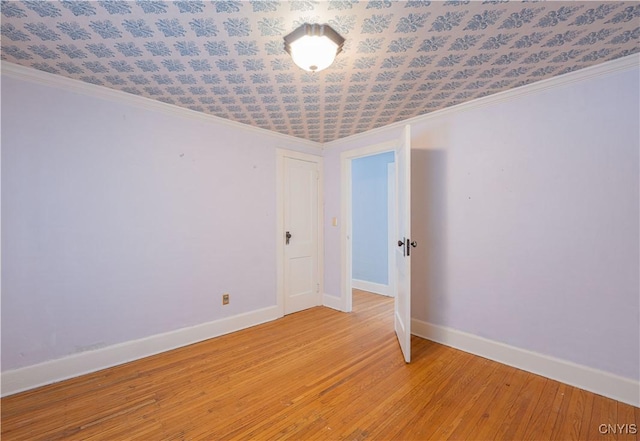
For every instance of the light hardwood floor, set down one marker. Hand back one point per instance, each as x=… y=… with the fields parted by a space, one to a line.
x=314 y=375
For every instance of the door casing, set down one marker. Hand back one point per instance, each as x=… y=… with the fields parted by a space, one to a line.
x=346 y=244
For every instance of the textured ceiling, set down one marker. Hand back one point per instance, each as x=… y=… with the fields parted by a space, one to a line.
x=400 y=60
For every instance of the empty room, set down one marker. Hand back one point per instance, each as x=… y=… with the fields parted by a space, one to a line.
x=323 y=220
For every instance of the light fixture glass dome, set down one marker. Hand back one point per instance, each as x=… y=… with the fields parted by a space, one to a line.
x=313 y=53
x=313 y=47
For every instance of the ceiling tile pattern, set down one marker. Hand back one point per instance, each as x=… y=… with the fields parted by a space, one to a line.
x=400 y=59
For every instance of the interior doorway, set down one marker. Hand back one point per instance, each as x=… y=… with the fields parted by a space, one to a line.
x=347 y=160
x=401 y=149
x=373 y=223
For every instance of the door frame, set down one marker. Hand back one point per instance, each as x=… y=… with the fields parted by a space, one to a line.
x=281 y=154
x=346 y=244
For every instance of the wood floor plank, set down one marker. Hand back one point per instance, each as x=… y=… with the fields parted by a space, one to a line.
x=427 y=387
x=536 y=423
x=603 y=414
x=475 y=419
x=585 y=427
x=569 y=420
x=315 y=375
x=519 y=415
x=498 y=409
x=432 y=413
x=554 y=412
x=454 y=411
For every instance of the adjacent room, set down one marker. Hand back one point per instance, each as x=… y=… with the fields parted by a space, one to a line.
x=430 y=232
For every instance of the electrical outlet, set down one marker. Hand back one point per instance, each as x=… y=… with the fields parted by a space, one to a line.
x=225 y=299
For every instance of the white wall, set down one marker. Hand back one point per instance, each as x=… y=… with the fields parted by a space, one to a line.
x=122 y=220
x=526 y=215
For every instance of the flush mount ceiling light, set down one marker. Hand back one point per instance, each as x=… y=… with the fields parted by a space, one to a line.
x=313 y=47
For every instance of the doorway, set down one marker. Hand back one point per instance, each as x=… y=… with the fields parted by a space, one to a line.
x=347 y=159
x=402 y=271
x=373 y=223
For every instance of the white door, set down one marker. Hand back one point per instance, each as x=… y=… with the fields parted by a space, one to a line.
x=402 y=303
x=301 y=280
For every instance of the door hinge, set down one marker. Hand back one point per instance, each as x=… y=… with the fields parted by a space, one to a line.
x=317 y=288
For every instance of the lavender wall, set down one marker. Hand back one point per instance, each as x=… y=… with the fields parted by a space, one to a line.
x=121 y=222
x=526 y=212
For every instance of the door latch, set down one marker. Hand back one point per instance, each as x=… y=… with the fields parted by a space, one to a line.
x=287 y=237
x=406 y=245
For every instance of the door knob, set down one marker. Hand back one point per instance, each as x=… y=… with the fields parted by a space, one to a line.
x=404 y=245
x=288 y=237
x=409 y=245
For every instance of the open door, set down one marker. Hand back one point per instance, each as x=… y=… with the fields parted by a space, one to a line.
x=402 y=303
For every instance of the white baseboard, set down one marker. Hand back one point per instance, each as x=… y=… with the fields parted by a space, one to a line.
x=332 y=302
x=583 y=377
x=376 y=288
x=52 y=371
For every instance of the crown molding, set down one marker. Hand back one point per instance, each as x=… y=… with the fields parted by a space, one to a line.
x=599 y=70
x=40 y=77
x=17 y=71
